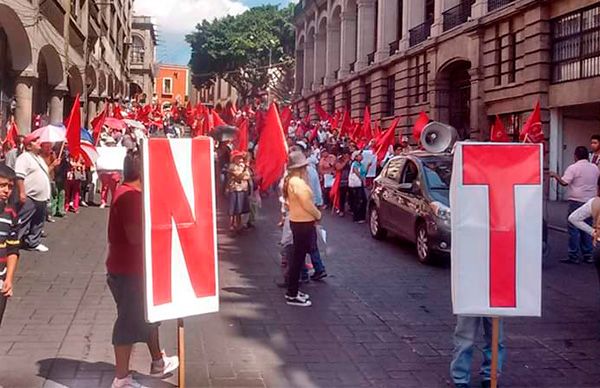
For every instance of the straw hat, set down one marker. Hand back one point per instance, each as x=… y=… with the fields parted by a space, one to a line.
x=297 y=160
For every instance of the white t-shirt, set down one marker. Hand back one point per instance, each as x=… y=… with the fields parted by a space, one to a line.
x=34 y=171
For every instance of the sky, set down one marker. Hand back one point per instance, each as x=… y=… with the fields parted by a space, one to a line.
x=176 y=18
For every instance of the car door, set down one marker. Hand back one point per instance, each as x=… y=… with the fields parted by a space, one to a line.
x=389 y=194
x=409 y=200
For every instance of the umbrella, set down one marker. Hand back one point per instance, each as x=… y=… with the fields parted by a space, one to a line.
x=90 y=153
x=135 y=124
x=114 y=123
x=85 y=135
x=224 y=132
x=51 y=134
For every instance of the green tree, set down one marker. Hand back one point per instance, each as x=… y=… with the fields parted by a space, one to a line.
x=240 y=49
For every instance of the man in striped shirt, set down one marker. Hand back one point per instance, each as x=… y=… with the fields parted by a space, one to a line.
x=9 y=240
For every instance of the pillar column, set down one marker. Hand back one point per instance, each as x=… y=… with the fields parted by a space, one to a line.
x=387 y=27
x=320 y=59
x=92 y=109
x=24 y=97
x=309 y=67
x=348 y=42
x=333 y=53
x=437 y=28
x=299 y=79
x=478 y=120
x=366 y=27
x=479 y=9
x=405 y=41
x=556 y=143
x=57 y=99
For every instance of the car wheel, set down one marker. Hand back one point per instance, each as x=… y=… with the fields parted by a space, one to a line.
x=423 y=249
x=377 y=231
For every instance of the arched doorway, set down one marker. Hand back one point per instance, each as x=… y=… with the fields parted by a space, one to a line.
x=334 y=50
x=50 y=74
x=320 y=53
x=454 y=96
x=135 y=92
x=300 y=65
x=75 y=87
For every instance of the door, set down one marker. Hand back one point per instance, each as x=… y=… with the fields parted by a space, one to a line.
x=389 y=194
x=408 y=203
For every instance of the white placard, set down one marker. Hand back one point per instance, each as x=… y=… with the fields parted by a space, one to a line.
x=111 y=158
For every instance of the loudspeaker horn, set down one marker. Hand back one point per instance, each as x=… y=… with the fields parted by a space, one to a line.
x=438 y=137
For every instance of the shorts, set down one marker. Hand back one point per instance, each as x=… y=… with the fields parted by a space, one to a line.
x=239 y=203
x=131 y=326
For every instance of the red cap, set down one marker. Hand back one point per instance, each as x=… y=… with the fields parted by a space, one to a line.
x=237 y=154
x=30 y=138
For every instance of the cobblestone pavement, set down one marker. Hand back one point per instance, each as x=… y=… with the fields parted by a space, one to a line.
x=380 y=319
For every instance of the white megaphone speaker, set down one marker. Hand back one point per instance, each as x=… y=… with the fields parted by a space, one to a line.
x=437 y=137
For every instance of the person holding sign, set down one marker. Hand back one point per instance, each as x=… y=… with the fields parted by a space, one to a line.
x=125 y=267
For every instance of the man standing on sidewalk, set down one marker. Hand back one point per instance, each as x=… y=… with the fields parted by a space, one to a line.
x=9 y=240
x=33 y=182
x=580 y=178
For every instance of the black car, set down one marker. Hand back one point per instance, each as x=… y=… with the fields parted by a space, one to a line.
x=410 y=198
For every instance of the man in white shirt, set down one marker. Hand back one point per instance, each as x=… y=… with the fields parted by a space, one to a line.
x=33 y=183
x=581 y=178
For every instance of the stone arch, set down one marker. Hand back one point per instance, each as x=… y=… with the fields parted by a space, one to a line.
x=110 y=86
x=453 y=95
x=300 y=47
x=54 y=66
x=19 y=46
x=320 y=51
x=335 y=41
x=300 y=37
x=138 y=48
x=50 y=72
x=74 y=87
x=309 y=57
x=350 y=34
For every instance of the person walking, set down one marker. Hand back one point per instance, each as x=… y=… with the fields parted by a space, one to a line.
x=33 y=183
x=9 y=237
x=303 y=216
x=73 y=189
x=580 y=179
x=125 y=278
x=238 y=187
x=342 y=166
x=356 y=183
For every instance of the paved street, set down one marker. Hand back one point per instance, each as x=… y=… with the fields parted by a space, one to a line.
x=380 y=319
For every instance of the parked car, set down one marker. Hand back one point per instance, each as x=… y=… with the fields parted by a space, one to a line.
x=410 y=198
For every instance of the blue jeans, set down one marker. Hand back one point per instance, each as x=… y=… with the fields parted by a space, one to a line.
x=465 y=335
x=315 y=255
x=579 y=241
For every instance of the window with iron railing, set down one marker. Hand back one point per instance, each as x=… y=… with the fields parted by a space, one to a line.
x=457 y=15
x=495 y=4
x=137 y=54
x=390 y=100
x=371 y=58
x=576 y=45
x=420 y=33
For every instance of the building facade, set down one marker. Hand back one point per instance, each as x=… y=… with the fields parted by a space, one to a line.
x=461 y=61
x=217 y=93
x=142 y=59
x=53 y=50
x=172 y=84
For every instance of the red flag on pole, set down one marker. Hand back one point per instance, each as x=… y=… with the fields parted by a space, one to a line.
x=217 y=120
x=367 y=129
x=97 y=123
x=286 y=118
x=323 y=116
x=532 y=131
x=74 y=129
x=243 y=136
x=499 y=133
x=346 y=124
x=272 y=150
x=334 y=194
x=386 y=141
x=422 y=121
x=11 y=136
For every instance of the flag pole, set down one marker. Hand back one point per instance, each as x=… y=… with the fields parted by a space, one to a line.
x=495 y=341
x=181 y=352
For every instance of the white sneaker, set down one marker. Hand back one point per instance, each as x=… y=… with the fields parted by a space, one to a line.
x=84 y=204
x=164 y=366
x=41 y=248
x=102 y=206
x=127 y=382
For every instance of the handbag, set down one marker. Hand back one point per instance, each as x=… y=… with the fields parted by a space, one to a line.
x=354 y=180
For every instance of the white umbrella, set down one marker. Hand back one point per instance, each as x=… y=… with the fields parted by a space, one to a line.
x=51 y=134
x=135 y=124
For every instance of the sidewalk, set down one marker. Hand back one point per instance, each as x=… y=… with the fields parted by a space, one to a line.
x=556 y=213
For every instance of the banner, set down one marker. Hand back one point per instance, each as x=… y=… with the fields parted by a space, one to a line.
x=496 y=200
x=180 y=241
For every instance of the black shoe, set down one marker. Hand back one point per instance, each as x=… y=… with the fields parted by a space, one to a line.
x=569 y=261
x=305 y=280
x=588 y=260
x=319 y=275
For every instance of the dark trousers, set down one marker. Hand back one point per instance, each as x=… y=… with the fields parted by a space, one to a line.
x=597 y=260
x=303 y=233
x=32 y=216
x=343 y=196
x=3 y=299
x=358 y=203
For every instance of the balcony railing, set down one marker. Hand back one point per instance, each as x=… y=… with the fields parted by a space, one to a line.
x=457 y=15
x=394 y=47
x=420 y=33
x=352 y=67
x=336 y=74
x=371 y=59
x=495 y=4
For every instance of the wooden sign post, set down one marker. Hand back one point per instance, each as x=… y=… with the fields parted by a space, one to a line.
x=495 y=344
x=181 y=352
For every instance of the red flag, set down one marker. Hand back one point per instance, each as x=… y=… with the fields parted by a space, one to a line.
x=272 y=150
x=367 y=129
x=11 y=136
x=422 y=121
x=334 y=193
x=532 y=131
x=335 y=120
x=346 y=124
x=323 y=116
x=313 y=134
x=499 y=133
x=97 y=123
x=286 y=118
x=388 y=139
x=243 y=136
x=217 y=120
x=117 y=111
x=74 y=129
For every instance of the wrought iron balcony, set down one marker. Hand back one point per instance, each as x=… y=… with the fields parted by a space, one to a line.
x=394 y=47
x=495 y=4
x=352 y=67
x=371 y=59
x=336 y=74
x=457 y=15
x=420 y=33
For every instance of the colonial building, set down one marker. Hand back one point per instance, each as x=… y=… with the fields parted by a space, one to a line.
x=52 y=50
x=461 y=61
x=142 y=59
x=217 y=93
x=172 y=84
